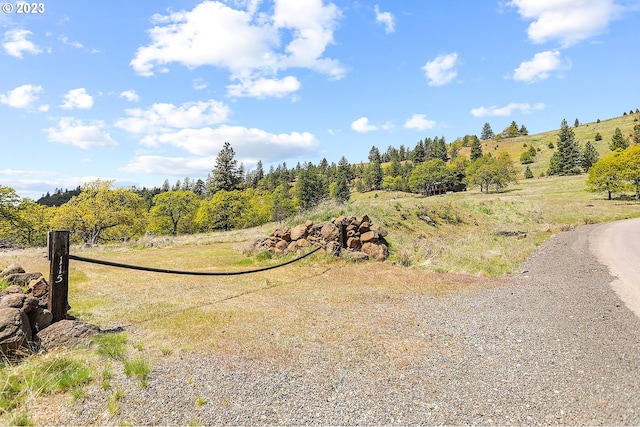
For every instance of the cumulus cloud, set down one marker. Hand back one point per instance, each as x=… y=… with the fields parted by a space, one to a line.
x=16 y=42
x=185 y=37
x=262 y=88
x=21 y=97
x=385 y=18
x=249 y=143
x=163 y=117
x=77 y=98
x=419 y=122
x=130 y=95
x=80 y=134
x=506 y=110
x=441 y=70
x=566 y=21
x=362 y=125
x=540 y=67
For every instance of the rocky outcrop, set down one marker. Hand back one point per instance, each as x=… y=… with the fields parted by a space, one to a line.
x=23 y=309
x=356 y=238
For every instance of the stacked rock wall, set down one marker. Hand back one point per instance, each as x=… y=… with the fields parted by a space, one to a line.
x=362 y=239
x=23 y=308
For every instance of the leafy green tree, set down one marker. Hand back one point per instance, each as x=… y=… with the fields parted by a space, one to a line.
x=283 y=204
x=511 y=131
x=568 y=157
x=525 y=158
x=9 y=201
x=100 y=213
x=226 y=174
x=430 y=175
x=527 y=173
x=173 y=212
x=487 y=132
x=476 y=150
x=589 y=156
x=222 y=212
x=618 y=141
x=630 y=159
x=607 y=175
x=488 y=171
x=33 y=223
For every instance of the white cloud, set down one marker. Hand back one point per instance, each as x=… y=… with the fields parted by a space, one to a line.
x=173 y=166
x=21 y=97
x=130 y=95
x=420 y=122
x=65 y=40
x=186 y=37
x=80 y=134
x=567 y=21
x=506 y=110
x=163 y=117
x=262 y=88
x=248 y=143
x=199 y=84
x=15 y=43
x=362 y=125
x=77 y=98
x=441 y=70
x=385 y=18
x=540 y=67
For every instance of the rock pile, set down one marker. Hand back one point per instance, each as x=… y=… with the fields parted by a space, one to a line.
x=23 y=308
x=362 y=239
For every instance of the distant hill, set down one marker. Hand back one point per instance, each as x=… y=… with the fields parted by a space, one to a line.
x=583 y=133
x=59 y=197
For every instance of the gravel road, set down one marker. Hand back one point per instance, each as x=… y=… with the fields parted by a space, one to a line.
x=554 y=345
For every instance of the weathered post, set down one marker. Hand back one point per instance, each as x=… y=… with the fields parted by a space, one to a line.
x=58 y=274
x=343 y=233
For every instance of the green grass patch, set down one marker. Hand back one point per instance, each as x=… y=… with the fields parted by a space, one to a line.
x=138 y=368
x=113 y=346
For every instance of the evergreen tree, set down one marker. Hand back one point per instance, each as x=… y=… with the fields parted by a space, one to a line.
x=311 y=188
x=226 y=174
x=568 y=157
x=440 y=149
x=511 y=130
x=476 y=150
x=374 y=155
x=523 y=131
x=527 y=173
x=635 y=134
x=589 y=156
x=418 y=153
x=341 y=191
x=345 y=170
x=618 y=141
x=166 y=186
x=576 y=123
x=487 y=132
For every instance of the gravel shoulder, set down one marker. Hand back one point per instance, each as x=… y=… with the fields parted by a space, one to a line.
x=552 y=345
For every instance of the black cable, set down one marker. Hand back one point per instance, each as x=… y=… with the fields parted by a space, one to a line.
x=193 y=273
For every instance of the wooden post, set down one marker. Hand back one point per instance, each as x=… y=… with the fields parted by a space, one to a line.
x=58 y=274
x=343 y=233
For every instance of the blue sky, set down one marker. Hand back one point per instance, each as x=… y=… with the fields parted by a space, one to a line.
x=142 y=91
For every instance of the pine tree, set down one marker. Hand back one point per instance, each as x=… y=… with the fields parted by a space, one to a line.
x=527 y=173
x=618 y=141
x=419 y=153
x=523 y=131
x=589 y=156
x=374 y=155
x=476 y=150
x=440 y=149
x=635 y=134
x=568 y=158
x=341 y=191
x=226 y=174
x=487 y=132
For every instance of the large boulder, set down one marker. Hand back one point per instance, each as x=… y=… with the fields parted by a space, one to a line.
x=329 y=231
x=298 y=232
x=15 y=330
x=21 y=279
x=379 y=252
x=67 y=334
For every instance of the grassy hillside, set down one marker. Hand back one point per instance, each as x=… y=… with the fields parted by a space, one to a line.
x=583 y=133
